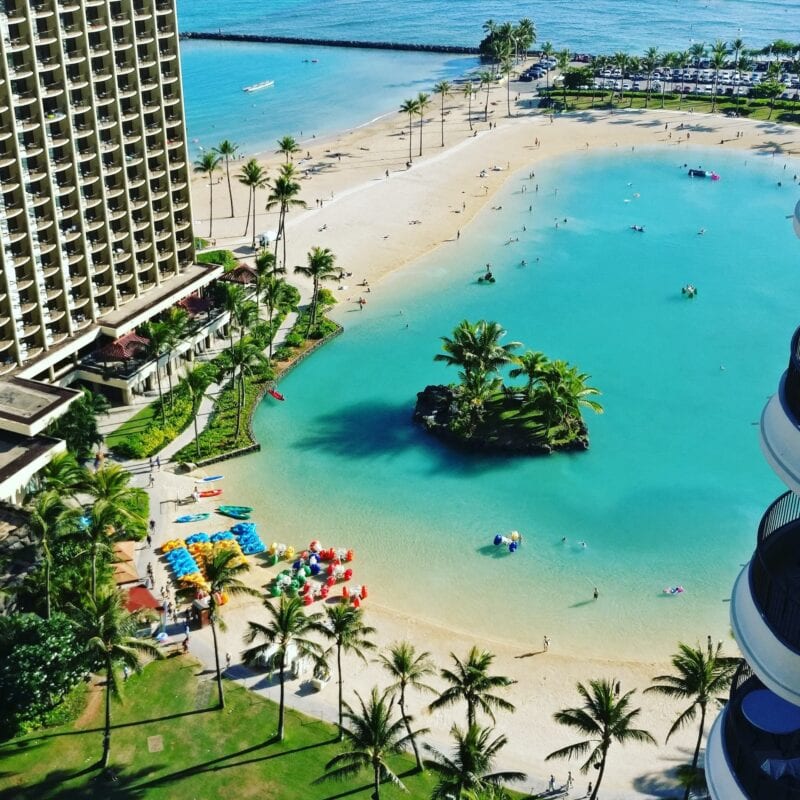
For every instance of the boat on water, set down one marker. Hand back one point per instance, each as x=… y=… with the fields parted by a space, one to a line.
x=256 y=86
x=276 y=394
x=236 y=512
x=193 y=517
x=703 y=173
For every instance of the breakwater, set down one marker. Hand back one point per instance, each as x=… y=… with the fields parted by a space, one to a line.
x=254 y=37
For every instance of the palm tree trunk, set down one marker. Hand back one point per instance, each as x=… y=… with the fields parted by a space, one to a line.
x=599 y=776
x=410 y=135
x=282 y=700
x=339 y=669
x=238 y=406
x=94 y=570
x=196 y=433
x=421 y=114
x=230 y=190
x=160 y=393
x=169 y=378
x=210 y=204
x=376 y=782
x=696 y=750
x=442 y=120
x=216 y=661
x=247 y=216
x=283 y=237
x=469 y=109
x=271 y=333
x=508 y=94
x=407 y=723
x=470 y=713
x=107 y=726
x=254 y=217
x=47 y=585
x=486 y=107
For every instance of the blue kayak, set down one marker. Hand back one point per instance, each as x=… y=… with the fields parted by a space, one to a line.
x=193 y=517
x=211 y=478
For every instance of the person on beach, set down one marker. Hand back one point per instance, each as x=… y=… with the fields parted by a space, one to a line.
x=596 y=594
x=546 y=643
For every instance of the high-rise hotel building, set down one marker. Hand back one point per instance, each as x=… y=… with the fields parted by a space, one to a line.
x=95 y=209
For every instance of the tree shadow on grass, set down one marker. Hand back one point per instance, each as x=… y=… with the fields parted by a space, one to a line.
x=367 y=786
x=52 y=785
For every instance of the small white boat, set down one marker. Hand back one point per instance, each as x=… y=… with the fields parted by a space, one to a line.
x=256 y=86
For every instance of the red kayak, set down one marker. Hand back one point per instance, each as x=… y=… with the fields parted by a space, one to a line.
x=276 y=395
x=211 y=493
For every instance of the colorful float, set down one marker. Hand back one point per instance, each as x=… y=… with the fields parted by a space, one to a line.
x=512 y=541
x=703 y=173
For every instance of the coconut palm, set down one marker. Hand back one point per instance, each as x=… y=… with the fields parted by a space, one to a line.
x=486 y=80
x=771 y=85
x=158 y=336
x=745 y=63
x=681 y=61
x=622 y=61
x=276 y=294
x=578 y=392
x=526 y=35
x=232 y=299
x=320 y=267
x=423 y=101
x=227 y=150
x=108 y=632
x=176 y=320
x=288 y=627
x=197 y=380
x=666 y=60
x=563 y=59
x=344 y=627
x=208 y=164
x=62 y=474
x=469 y=93
x=547 y=53
x=372 y=736
x=240 y=361
x=702 y=676
x=97 y=529
x=288 y=146
x=476 y=348
x=719 y=56
x=408 y=669
x=222 y=569
x=530 y=364
x=598 y=66
x=443 y=89
x=113 y=484
x=284 y=194
x=698 y=53
x=471 y=682
x=650 y=61
x=411 y=108
x=604 y=718
x=469 y=768
x=507 y=69
x=253 y=176
x=45 y=520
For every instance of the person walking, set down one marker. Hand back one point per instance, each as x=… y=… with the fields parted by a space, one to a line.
x=596 y=593
x=546 y=643
x=551 y=784
x=227 y=660
x=149 y=540
x=570 y=780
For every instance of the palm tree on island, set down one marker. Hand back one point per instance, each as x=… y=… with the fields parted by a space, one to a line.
x=344 y=627
x=208 y=164
x=443 y=89
x=526 y=35
x=288 y=146
x=227 y=150
x=108 y=631
x=222 y=569
x=320 y=267
x=423 y=101
x=471 y=682
x=408 y=669
x=372 y=734
x=476 y=348
x=253 y=176
x=604 y=718
x=287 y=629
x=469 y=768
x=703 y=676
x=410 y=107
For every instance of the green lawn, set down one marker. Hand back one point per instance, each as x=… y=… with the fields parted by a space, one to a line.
x=206 y=753
x=137 y=424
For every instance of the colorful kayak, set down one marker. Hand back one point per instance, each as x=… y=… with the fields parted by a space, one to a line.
x=277 y=395
x=211 y=493
x=193 y=517
x=211 y=478
x=236 y=512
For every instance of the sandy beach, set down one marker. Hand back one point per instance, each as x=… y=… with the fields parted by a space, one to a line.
x=377 y=224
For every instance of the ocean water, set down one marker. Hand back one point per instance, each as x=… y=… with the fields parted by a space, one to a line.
x=590 y=26
x=673 y=486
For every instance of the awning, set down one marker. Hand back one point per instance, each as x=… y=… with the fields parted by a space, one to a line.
x=194 y=304
x=123 y=349
x=242 y=274
x=123 y=551
x=125 y=572
x=139 y=597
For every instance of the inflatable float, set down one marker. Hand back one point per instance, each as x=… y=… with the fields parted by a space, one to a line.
x=689 y=291
x=703 y=173
x=512 y=541
x=673 y=590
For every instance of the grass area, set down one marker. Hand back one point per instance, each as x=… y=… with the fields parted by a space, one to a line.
x=224 y=257
x=206 y=753
x=785 y=111
x=138 y=424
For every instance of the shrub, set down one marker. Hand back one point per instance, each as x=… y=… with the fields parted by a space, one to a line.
x=224 y=257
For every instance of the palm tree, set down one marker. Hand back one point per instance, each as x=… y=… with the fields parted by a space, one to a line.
x=530 y=364
x=176 y=320
x=411 y=108
x=208 y=164
x=486 y=79
x=469 y=768
x=470 y=681
x=650 y=61
x=698 y=53
x=227 y=150
x=276 y=294
x=63 y=474
x=107 y=630
x=476 y=348
x=682 y=61
x=423 y=101
x=158 y=336
x=546 y=55
x=744 y=64
x=320 y=268
x=526 y=34
x=113 y=484
x=718 y=59
x=284 y=194
x=344 y=627
x=408 y=669
x=222 y=569
x=469 y=93
x=240 y=361
x=253 y=176
x=288 y=146
x=197 y=380
x=772 y=86
x=288 y=626
x=702 y=675
x=598 y=65
x=604 y=718
x=232 y=299
x=563 y=58
x=507 y=68
x=622 y=61
x=372 y=735
x=443 y=89
x=45 y=515
x=666 y=60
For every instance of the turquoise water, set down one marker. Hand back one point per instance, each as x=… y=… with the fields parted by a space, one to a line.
x=674 y=484
x=584 y=25
x=343 y=89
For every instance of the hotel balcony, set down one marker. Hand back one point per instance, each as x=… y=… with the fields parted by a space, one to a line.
x=780 y=423
x=753 y=750
x=765 y=604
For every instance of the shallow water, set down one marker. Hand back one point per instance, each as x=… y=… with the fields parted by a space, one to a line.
x=673 y=486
